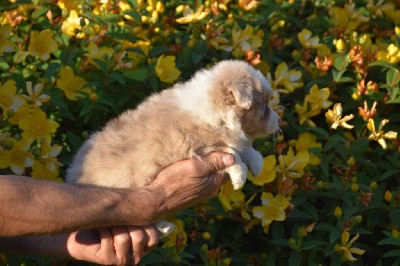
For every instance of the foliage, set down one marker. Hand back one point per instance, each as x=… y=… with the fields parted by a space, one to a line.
x=329 y=193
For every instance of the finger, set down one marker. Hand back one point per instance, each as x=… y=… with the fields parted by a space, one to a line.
x=199 y=168
x=139 y=241
x=106 y=252
x=122 y=244
x=152 y=237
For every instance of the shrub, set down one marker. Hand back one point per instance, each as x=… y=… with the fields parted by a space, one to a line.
x=329 y=192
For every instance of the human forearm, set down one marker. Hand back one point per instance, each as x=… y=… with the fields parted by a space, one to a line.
x=55 y=246
x=30 y=206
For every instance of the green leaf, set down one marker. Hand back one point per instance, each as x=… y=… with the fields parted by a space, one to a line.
x=295 y=258
x=349 y=211
x=341 y=63
x=392 y=253
x=383 y=64
x=325 y=164
x=389 y=241
x=392 y=77
x=158 y=50
x=101 y=64
x=75 y=140
x=389 y=173
x=334 y=140
x=311 y=244
x=139 y=74
x=393 y=101
x=134 y=14
x=118 y=77
x=395 y=217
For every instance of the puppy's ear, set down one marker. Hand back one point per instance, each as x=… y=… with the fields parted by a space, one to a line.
x=243 y=97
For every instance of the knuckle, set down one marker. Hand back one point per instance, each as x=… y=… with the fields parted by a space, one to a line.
x=193 y=166
x=122 y=238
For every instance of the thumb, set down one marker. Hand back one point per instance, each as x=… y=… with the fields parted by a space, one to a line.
x=217 y=161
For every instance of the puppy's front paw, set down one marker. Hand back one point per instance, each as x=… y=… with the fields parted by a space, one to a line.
x=165 y=228
x=256 y=163
x=237 y=174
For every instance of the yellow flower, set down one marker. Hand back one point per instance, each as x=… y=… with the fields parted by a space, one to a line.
x=318 y=98
x=234 y=199
x=177 y=237
x=42 y=44
x=335 y=116
x=35 y=95
x=379 y=135
x=289 y=79
x=307 y=41
x=230 y=197
x=272 y=209
x=136 y=52
x=37 y=126
x=24 y=111
x=267 y=174
x=245 y=40
x=296 y=162
x=98 y=53
x=70 y=84
x=221 y=43
x=190 y=16
x=72 y=23
x=47 y=166
x=248 y=4
x=340 y=46
x=9 y=100
x=70 y=5
x=305 y=114
x=347 y=18
x=166 y=69
x=17 y=158
x=306 y=141
x=346 y=249
x=391 y=55
x=5 y=45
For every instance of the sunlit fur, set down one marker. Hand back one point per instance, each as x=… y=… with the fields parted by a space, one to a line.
x=223 y=108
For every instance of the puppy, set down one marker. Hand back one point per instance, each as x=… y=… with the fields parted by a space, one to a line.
x=223 y=108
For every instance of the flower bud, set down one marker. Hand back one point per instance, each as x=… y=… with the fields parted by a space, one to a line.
x=358 y=219
x=340 y=46
x=227 y=261
x=292 y=243
x=373 y=185
x=354 y=187
x=388 y=196
x=206 y=235
x=338 y=212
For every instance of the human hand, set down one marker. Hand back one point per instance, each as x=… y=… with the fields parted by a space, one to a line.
x=190 y=182
x=120 y=245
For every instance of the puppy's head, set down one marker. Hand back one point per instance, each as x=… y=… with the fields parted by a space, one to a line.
x=243 y=94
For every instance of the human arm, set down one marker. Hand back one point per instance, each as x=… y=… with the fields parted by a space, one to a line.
x=35 y=207
x=120 y=245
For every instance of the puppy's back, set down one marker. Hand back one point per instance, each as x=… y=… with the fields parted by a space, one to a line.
x=134 y=147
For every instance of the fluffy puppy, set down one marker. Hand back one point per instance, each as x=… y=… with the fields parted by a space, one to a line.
x=223 y=108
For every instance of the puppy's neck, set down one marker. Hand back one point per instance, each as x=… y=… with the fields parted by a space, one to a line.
x=195 y=98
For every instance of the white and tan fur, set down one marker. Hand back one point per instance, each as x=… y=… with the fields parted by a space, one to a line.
x=220 y=109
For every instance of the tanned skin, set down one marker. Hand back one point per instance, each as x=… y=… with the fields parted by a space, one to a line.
x=31 y=207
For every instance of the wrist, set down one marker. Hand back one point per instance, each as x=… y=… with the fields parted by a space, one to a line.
x=144 y=205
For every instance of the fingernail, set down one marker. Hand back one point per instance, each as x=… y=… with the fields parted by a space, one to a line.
x=228 y=160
